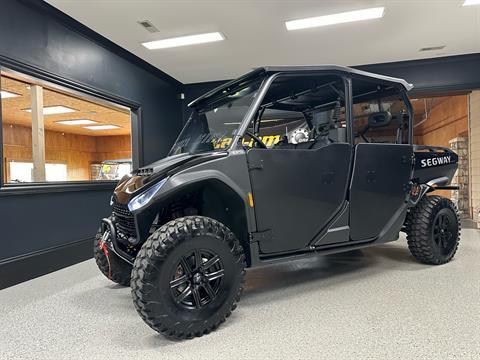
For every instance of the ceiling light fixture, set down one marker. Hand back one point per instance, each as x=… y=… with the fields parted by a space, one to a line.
x=471 y=2
x=184 y=40
x=340 y=18
x=101 y=127
x=76 y=122
x=54 y=110
x=7 y=94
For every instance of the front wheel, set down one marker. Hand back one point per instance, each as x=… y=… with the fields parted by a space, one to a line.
x=188 y=277
x=433 y=230
x=109 y=264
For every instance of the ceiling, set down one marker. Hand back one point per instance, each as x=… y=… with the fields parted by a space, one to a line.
x=256 y=35
x=13 y=110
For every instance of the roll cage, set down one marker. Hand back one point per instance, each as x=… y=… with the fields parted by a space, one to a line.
x=271 y=74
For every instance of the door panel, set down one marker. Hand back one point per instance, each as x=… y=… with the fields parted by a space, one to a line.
x=379 y=187
x=296 y=192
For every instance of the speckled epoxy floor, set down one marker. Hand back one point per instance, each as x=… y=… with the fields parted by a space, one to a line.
x=377 y=303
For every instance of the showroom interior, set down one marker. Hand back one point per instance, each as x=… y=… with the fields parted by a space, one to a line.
x=90 y=94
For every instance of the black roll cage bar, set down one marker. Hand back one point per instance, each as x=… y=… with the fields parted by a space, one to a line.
x=255 y=108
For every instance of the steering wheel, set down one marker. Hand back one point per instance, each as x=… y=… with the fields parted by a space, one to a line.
x=257 y=140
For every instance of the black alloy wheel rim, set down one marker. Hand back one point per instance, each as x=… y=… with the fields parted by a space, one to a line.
x=445 y=232
x=197 y=278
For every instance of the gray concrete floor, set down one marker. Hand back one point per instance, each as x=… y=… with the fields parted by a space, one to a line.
x=377 y=303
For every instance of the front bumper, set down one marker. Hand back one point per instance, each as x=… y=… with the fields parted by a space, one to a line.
x=109 y=238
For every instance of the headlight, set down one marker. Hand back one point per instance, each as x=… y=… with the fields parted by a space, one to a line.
x=141 y=200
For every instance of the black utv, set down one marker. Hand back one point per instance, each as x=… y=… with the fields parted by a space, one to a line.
x=281 y=163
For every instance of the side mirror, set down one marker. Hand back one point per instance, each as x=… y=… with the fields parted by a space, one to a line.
x=379 y=119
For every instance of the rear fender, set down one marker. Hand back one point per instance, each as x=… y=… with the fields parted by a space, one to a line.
x=434 y=168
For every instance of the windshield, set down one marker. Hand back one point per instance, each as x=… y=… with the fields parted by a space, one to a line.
x=213 y=126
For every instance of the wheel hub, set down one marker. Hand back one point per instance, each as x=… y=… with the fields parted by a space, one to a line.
x=197 y=278
x=444 y=230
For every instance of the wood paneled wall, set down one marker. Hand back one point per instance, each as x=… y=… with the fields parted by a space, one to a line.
x=446 y=120
x=113 y=147
x=474 y=155
x=78 y=152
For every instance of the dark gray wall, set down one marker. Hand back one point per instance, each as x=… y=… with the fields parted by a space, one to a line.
x=37 y=39
x=429 y=76
x=434 y=76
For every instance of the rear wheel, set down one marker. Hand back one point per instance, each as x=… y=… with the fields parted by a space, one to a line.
x=188 y=277
x=433 y=230
x=110 y=265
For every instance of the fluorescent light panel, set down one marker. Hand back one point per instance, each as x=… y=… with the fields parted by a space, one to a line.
x=471 y=2
x=54 y=110
x=101 y=127
x=7 y=94
x=340 y=18
x=184 y=40
x=76 y=122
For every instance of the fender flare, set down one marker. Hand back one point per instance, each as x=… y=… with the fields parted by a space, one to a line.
x=432 y=185
x=179 y=181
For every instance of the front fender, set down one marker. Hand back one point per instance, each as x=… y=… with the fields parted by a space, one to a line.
x=231 y=172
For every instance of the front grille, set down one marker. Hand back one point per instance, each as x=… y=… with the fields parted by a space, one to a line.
x=124 y=221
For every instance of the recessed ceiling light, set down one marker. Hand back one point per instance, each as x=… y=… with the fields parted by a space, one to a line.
x=76 y=122
x=471 y=2
x=7 y=94
x=101 y=127
x=54 y=110
x=184 y=40
x=340 y=18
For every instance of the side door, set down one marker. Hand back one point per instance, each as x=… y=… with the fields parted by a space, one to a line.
x=297 y=192
x=382 y=169
x=379 y=188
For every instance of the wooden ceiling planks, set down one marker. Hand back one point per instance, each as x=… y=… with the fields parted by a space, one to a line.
x=13 y=111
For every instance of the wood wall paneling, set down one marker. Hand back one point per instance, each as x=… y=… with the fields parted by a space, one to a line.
x=446 y=120
x=78 y=152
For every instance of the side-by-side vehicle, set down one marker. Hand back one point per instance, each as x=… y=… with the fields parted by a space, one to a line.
x=279 y=164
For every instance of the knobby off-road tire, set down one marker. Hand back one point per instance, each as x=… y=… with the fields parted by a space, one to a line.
x=110 y=265
x=433 y=230
x=188 y=277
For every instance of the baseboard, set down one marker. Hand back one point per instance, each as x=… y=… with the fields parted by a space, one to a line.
x=22 y=268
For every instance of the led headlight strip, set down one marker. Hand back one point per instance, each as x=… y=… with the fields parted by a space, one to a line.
x=144 y=198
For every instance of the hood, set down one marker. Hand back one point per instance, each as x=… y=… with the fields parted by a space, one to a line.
x=150 y=174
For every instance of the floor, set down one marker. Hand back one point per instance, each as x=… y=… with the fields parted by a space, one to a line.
x=377 y=303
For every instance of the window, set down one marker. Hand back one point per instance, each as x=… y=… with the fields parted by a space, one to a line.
x=380 y=114
x=212 y=126
x=301 y=112
x=20 y=172
x=51 y=135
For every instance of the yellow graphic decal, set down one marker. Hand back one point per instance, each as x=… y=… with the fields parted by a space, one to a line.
x=268 y=140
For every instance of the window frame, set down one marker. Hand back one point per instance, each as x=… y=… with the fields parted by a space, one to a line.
x=82 y=91
x=267 y=82
x=402 y=92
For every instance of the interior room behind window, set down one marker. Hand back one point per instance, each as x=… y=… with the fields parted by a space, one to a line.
x=74 y=138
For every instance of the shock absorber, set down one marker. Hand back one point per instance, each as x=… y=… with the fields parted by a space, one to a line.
x=176 y=210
